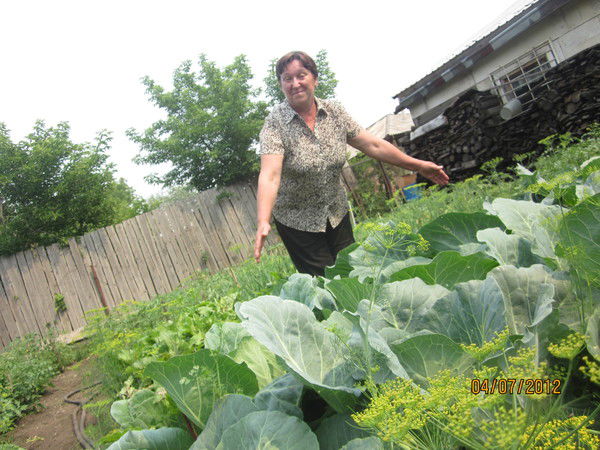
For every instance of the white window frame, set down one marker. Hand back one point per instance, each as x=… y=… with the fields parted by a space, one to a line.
x=513 y=80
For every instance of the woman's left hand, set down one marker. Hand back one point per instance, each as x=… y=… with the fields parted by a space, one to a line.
x=433 y=172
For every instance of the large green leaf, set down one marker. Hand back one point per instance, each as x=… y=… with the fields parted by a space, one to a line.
x=425 y=355
x=196 y=381
x=160 y=439
x=453 y=230
x=368 y=319
x=369 y=443
x=231 y=339
x=402 y=301
x=304 y=288
x=529 y=294
x=592 y=335
x=470 y=314
x=337 y=430
x=283 y=394
x=145 y=409
x=225 y=337
x=579 y=232
x=290 y=330
x=227 y=411
x=348 y=292
x=508 y=248
x=268 y=430
x=342 y=267
x=533 y=221
x=448 y=269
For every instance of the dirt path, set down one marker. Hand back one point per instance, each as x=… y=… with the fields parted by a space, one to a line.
x=52 y=427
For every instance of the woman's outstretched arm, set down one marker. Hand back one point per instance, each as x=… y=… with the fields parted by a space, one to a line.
x=382 y=150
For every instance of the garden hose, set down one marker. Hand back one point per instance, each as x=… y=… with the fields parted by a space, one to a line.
x=79 y=425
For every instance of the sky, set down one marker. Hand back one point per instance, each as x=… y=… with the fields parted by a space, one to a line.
x=82 y=61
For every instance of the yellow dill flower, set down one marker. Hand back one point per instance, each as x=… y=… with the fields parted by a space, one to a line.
x=505 y=429
x=568 y=347
x=591 y=369
x=523 y=367
x=488 y=348
x=393 y=411
x=556 y=434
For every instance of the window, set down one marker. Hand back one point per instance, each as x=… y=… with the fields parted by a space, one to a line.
x=515 y=79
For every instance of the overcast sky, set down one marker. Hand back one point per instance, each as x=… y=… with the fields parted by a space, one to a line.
x=81 y=61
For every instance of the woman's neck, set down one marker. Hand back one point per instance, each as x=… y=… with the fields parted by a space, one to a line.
x=307 y=109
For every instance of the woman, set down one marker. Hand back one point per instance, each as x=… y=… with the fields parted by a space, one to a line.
x=303 y=149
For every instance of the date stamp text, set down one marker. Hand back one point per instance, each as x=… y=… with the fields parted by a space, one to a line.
x=527 y=386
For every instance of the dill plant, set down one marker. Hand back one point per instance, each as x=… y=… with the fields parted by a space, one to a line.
x=405 y=414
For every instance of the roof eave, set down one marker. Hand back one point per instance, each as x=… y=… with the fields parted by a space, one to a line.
x=479 y=50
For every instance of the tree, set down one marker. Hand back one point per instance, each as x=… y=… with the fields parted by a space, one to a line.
x=325 y=88
x=54 y=189
x=212 y=123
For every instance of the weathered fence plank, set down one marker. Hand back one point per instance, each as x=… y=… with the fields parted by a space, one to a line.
x=88 y=294
x=139 y=259
x=66 y=280
x=233 y=222
x=142 y=257
x=13 y=283
x=177 y=240
x=169 y=277
x=220 y=222
x=210 y=233
x=131 y=276
x=172 y=249
x=134 y=270
x=157 y=272
x=190 y=236
x=63 y=322
x=11 y=331
x=94 y=260
x=38 y=291
x=198 y=237
x=116 y=295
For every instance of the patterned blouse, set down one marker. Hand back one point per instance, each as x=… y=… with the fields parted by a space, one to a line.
x=311 y=189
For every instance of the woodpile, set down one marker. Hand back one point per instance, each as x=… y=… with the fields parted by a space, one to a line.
x=566 y=99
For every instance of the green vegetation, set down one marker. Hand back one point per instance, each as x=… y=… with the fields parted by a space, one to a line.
x=26 y=367
x=492 y=280
x=52 y=189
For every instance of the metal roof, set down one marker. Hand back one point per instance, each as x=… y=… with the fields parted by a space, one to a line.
x=516 y=20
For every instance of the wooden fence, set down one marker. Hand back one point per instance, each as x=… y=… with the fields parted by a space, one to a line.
x=140 y=258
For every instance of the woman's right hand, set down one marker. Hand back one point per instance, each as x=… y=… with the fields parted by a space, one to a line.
x=261 y=234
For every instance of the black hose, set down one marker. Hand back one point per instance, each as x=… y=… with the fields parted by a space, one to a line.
x=79 y=425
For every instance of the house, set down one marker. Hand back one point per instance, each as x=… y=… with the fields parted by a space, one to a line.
x=538 y=36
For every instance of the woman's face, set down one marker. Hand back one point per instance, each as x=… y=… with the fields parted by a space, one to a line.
x=298 y=84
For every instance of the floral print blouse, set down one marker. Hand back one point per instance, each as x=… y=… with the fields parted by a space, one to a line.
x=311 y=189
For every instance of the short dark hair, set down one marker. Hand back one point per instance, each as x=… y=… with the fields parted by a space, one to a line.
x=304 y=59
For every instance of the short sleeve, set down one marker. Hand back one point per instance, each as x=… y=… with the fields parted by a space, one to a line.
x=347 y=122
x=270 y=139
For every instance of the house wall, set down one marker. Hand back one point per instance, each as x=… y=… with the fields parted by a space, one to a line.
x=570 y=30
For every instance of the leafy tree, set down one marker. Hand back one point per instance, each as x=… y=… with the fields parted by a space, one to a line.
x=53 y=189
x=212 y=123
x=325 y=88
x=126 y=203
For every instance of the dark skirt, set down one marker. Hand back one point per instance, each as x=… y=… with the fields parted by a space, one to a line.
x=312 y=252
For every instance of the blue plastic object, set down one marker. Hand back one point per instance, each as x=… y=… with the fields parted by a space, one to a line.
x=412 y=192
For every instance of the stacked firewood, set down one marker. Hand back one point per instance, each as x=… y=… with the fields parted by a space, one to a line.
x=567 y=98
